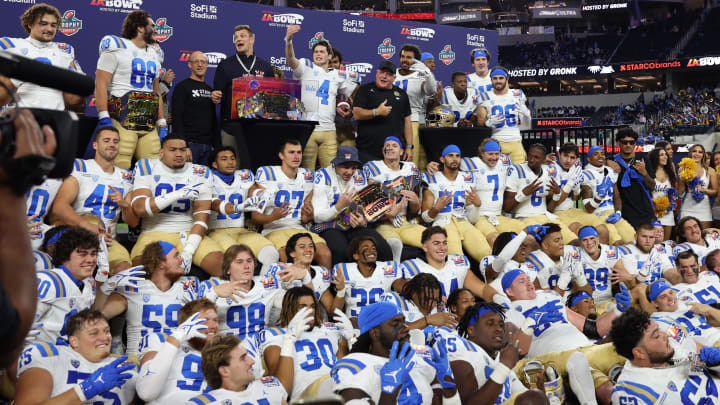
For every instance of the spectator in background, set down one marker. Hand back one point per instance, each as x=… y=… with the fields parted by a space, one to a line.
x=336 y=59
x=699 y=190
x=194 y=110
x=665 y=180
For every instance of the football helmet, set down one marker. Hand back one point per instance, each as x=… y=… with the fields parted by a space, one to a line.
x=554 y=388
x=440 y=117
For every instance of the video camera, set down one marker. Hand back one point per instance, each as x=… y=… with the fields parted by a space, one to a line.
x=32 y=170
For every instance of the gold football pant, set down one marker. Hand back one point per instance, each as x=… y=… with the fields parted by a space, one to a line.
x=140 y=144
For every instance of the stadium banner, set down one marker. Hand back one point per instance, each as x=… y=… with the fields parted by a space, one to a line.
x=540 y=123
x=454 y=18
x=605 y=6
x=184 y=26
x=604 y=70
x=562 y=12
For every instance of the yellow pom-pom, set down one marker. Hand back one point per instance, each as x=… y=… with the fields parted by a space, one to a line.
x=661 y=206
x=688 y=169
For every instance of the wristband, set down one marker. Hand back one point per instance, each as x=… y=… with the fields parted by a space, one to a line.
x=202 y=212
x=567 y=188
x=307 y=279
x=341 y=293
x=288 y=41
x=103 y=114
x=410 y=147
x=594 y=203
x=527 y=327
x=521 y=197
x=373 y=113
x=556 y=197
x=288 y=345
x=500 y=374
x=79 y=392
x=426 y=217
x=587 y=201
x=201 y=223
x=223 y=204
x=148 y=209
x=162 y=122
x=137 y=198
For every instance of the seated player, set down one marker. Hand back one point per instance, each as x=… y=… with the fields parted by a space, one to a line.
x=98 y=187
x=691 y=236
x=461 y=100
x=335 y=188
x=365 y=279
x=601 y=197
x=421 y=303
x=384 y=368
x=173 y=196
x=453 y=271
x=171 y=364
x=149 y=295
x=509 y=253
x=38 y=201
x=83 y=372
x=289 y=202
x=43 y=256
x=69 y=287
x=695 y=286
x=556 y=264
x=230 y=202
x=582 y=303
x=459 y=301
x=528 y=188
x=395 y=226
x=450 y=193
x=490 y=170
x=313 y=346
x=227 y=368
x=598 y=261
x=649 y=374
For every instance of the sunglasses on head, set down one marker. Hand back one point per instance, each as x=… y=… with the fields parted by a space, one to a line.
x=627 y=142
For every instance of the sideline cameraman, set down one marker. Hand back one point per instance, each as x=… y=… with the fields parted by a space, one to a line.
x=18 y=287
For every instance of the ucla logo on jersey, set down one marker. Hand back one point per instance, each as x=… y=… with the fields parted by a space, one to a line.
x=389 y=271
x=229 y=301
x=518 y=308
x=227 y=402
x=186 y=349
x=672 y=387
x=72 y=302
x=24 y=51
x=146 y=298
x=75 y=363
x=156 y=178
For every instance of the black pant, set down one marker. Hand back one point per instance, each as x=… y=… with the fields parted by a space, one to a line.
x=338 y=240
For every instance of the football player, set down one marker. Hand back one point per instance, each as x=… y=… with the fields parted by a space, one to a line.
x=127 y=90
x=444 y=205
x=230 y=201
x=321 y=86
x=38 y=201
x=171 y=364
x=98 y=187
x=690 y=232
x=556 y=264
x=696 y=287
x=227 y=367
x=42 y=22
x=395 y=227
x=480 y=78
x=510 y=252
x=418 y=81
x=503 y=111
x=174 y=196
x=81 y=372
x=598 y=262
x=461 y=100
x=289 y=194
x=644 y=261
x=420 y=302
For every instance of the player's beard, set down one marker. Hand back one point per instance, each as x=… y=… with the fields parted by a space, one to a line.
x=149 y=38
x=660 y=358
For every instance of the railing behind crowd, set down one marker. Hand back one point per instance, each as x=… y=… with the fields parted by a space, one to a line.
x=583 y=137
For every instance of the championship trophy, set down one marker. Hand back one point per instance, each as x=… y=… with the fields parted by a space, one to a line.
x=267 y=97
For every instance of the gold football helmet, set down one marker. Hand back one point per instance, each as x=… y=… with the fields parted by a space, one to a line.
x=440 y=117
x=554 y=388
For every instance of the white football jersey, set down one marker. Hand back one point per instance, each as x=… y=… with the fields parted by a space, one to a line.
x=234 y=193
x=321 y=278
x=696 y=325
x=251 y=314
x=376 y=171
x=94 y=191
x=451 y=277
x=314 y=356
x=153 y=175
x=510 y=265
x=151 y=311
x=712 y=242
x=38 y=202
x=133 y=68
x=549 y=271
x=285 y=190
x=43 y=261
x=359 y=371
x=410 y=311
x=58 y=54
x=705 y=291
x=461 y=108
x=601 y=180
x=597 y=271
x=69 y=368
x=266 y=390
x=504 y=104
x=366 y=290
x=414 y=85
x=665 y=385
x=327 y=190
x=439 y=185
x=60 y=295
x=561 y=178
x=490 y=182
x=634 y=259
x=460 y=349
x=185 y=379
x=547 y=337
x=320 y=88
x=483 y=84
x=519 y=177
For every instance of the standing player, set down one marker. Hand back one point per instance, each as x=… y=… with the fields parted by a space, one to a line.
x=480 y=78
x=444 y=205
x=418 y=82
x=321 y=86
x=461 y=100
x=289 y=189
x=174 y=196
x=128 y=71
x=42 y=22
x=98 y=187
x=503 y=111
x=81 y=372
x=230 y=201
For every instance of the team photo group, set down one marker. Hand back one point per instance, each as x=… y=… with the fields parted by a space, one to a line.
x=361 y=269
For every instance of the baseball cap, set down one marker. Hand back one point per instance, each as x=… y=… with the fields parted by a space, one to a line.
x=346 y=154
x=386 y=64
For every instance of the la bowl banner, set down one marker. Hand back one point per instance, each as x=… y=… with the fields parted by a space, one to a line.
x=185 y=26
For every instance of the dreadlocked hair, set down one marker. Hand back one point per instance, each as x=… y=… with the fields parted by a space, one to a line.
x=472 y=315
x=423 y=284
x=362 y=344
x=290 y=305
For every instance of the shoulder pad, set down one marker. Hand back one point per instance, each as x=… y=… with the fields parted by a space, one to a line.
x=533 y=262
x=321 y=177
x=307 y=62
x=265 y=173
x=67 y=48
x=201 y=170
x=468 y=164
x=353 y=365
x=411 y=267
x=268 y=333
x=112 y=43
x=142 y=168
x=46 y=349
x=44 y=259
x=396 y=299
x=203 y=399
x=7 y=43
x=80 y=165
x=429 y=178
x=505 y=159
x=55 y=280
